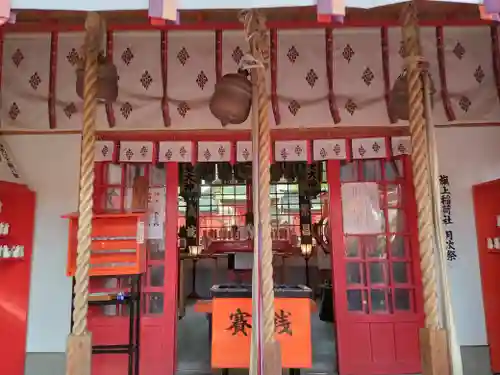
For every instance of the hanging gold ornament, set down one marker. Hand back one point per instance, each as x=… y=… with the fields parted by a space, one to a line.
x=232 y=98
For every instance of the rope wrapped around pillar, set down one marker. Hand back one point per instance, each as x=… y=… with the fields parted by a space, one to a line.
x=79 y=343
x=433 y=339
x=265 y=354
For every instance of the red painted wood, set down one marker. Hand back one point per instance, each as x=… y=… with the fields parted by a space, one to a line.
x=445 y=95
x=373 y=341
x=110 y=112
x=19 y=211
x=46 y=26
x=332 y=100
x=52 y=79
x=495 y=54
x=384 y=39
x=164 y=78
x=171 y=269
x=486 y=208
x=274 y=75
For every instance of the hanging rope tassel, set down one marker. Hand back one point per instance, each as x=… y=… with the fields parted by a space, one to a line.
x=79 y=343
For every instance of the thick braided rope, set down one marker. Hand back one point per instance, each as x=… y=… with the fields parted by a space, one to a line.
x=81 y=291
x=420 y=165
x=264 y=214
x=256 y=33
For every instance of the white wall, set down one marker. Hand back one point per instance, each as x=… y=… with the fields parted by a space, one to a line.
x=468 y=155
x=50 y=164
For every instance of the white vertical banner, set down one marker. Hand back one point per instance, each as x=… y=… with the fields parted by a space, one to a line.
x=156 y=206
x=361 y=208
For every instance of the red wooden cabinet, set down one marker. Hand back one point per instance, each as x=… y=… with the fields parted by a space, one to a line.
x=118 y=244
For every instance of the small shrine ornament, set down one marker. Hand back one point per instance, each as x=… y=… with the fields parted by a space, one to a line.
x=399 y=108
x=232 y=98
x=107 y=80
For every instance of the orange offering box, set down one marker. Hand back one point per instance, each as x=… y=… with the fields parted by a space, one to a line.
x=118 y=244
x=232 y=326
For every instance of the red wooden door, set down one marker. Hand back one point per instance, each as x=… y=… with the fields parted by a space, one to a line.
x=17 y=208
x=376 y=275
x=110 y=324
x=486 y=209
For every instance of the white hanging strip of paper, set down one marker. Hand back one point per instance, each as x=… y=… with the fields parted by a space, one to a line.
x=244 y=151
x=290 y=151
x=214 y=152
x=136 y=152
x=401 y=145
x=104 y=150
x=369 y=148
x=175 y=151
x=329 y=149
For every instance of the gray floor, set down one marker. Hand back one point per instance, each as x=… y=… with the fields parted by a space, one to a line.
x=193 y=351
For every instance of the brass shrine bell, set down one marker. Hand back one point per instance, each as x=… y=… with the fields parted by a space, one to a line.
x=232 y=98
x=399 y=107
x=107 y=81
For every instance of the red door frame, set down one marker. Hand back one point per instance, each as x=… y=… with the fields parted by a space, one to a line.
x=343 y=317
x=172 y=271
x=486 y=208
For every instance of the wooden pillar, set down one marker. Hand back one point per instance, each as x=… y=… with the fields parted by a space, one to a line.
x=79 y=350
x=433 y=338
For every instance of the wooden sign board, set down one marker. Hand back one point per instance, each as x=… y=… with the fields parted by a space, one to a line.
x=232 y=331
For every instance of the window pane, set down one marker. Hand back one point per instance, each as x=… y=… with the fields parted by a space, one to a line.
x=113 y=199
x=157 y=175
x=396 y=221
x=400 y=272
x=392 y=172
x=114 y=175
x=133 y=171
x=379 y=300
x=397 y=245
x=356 y=299
x=156 y=249
x=348 y=171
x=353 y=273
x=402 y=299
x=377 y=273
x=155 y=303
x=156 y=275
x=352 y=247
x=372 y=170
x=375 y=246
x=394 y=196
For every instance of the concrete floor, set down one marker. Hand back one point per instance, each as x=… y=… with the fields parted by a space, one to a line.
x=193 y=351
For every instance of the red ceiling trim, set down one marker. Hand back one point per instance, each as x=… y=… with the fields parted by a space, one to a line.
x=442 y=74
x=495 y=53
x=110 y=112
x=218 y=55
x=165 y=110
x=274 y=75
x=384 y=40
x=45 y=26
x=52 y=80
x=332 y=101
